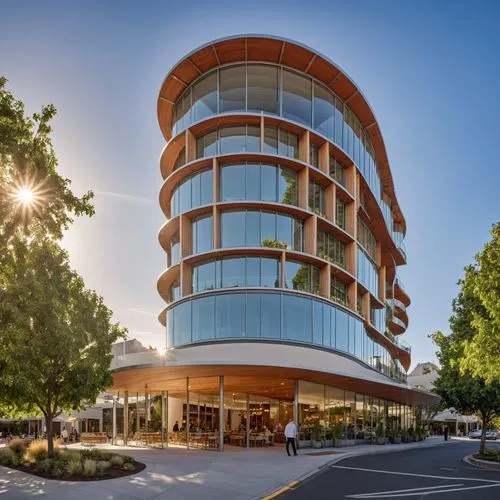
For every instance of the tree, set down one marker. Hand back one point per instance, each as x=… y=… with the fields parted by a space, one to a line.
x=424 y=414
x=461 y=389
x=56 y=336
x=482 y=351
x=28 y=167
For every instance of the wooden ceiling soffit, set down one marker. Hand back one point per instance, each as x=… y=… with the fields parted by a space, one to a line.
x=296 y=57
x=230 y=51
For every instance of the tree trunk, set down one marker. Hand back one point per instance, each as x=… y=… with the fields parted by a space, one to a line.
x=483 y=436
x=50 y=433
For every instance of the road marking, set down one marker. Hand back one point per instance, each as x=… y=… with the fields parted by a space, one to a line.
x=413 y=474
x=413 y=492
x=410 y=489
x=287 y=487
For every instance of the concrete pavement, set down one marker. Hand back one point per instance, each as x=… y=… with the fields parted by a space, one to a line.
x=179 y=474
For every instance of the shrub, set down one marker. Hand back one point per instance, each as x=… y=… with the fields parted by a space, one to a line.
x=17 y=446
x=74 y=468
x=128 y=466
x=127 y=459
x=44 y=465
x=6 y=456
x=103 y=465
x=73 y=456
x=89 y=467
x=97 y=454
x=57 y=469
x=39 y=450
x=117 y=461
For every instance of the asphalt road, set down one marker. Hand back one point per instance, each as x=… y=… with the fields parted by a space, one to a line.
x=432 y=473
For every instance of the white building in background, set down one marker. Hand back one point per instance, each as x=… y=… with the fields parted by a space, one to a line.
x=423 y=377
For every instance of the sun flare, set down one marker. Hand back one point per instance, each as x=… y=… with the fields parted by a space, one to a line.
x=25 y=195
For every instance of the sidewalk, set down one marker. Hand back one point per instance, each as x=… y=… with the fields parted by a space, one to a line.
x=196 y=474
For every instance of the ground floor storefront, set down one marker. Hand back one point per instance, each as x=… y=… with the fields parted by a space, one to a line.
x=213 y=412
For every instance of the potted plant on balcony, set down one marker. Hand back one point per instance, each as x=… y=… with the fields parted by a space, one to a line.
x=269 y=243
x=380 y=434
x=317 y=436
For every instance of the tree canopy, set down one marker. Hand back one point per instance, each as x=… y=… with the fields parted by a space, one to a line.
x=56 y=335
x=28 y=162
x=482 y=351
x=463 y=389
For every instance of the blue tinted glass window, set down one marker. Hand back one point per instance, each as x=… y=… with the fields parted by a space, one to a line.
x=205 y=277
x=182 y=322
x=297 y=318
x=232 y=229
x=233 y=272
x=270 y=308
x=269 y=272
x=268 y=182
x=232 y=89
x=253 y=139
x=324 y=104
x=359 y=340
x=329 y=326
x=203 y=318
x=232 y=139
x=185 y=196
x=252 y=173
x=205 y=97
x=339 y=120
x=270 y=140
x=170 y=328
x=352 y=334
x=253 y=271
x=284 y=229
x=202 y=234
x=206 y=187
x=253 y=229
x=195 y=191
x=253 y=315
x=233 y=183
x=268 y=226
x=263 y=88
x=288 y=186
x=230 y=315
x=342 y=331
x=317 y=322
x=296 y=97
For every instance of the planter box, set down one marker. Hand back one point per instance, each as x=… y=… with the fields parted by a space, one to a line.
x=317 y=444
x=328 y=443
x=380 y=440
x=396 y=440
x=341 y=443
x=305 y=444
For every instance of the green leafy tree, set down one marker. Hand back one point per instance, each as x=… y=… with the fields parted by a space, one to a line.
x=28 y=166
x=56 y=335
x=482 y=351
x=467 y=393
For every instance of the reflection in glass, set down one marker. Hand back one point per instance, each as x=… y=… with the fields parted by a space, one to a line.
x=296 y=97
x=232 y=89
x=192 y=192
x=202 y=232
x=263 y=88
x=205 y=97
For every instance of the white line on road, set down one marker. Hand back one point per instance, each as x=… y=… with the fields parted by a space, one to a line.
x=413 y=474
x=358 y=495
x=420 y=493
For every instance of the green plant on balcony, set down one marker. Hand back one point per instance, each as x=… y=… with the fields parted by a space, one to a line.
x=324 y=256
x=269 y=243
x=317 y=211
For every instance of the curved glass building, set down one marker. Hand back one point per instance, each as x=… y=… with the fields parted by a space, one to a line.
x=283 y=238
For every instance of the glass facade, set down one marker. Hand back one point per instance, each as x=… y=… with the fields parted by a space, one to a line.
x=202 y=234
x=256 y=228
x=300 y=276
x=234 y=272
x=259 y=182
x=367 y=272
x=192 y=192
x=296 y=97
x=275 y=316
x=330 y=248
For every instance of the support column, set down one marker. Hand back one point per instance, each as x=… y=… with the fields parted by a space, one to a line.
x=296 y=404
x=162 y=413
x=125 y=419
x=187 y=413
x=221 y=413
x=137 y=416
x=166 y=417
x=248 y=422
x=147 y=407
x=113 y=435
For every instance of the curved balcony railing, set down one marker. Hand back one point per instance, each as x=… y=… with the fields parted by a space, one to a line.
x=398 y=322
x=399 y=305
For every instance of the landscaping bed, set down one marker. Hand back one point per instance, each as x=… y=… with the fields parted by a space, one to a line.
x=490 y=455
x=69 y=465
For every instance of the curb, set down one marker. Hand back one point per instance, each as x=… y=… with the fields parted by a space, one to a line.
x=482 y=464
x=283 y=488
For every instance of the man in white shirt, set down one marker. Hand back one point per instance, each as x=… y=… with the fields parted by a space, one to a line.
x=290 y=434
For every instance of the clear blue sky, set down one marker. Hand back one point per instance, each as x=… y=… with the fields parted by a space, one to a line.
x=430 y=69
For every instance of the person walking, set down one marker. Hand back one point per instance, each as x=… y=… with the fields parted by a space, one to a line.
x=290 y=435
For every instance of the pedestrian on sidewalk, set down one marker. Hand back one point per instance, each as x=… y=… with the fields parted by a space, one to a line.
x=291 y=434
x=446 y=433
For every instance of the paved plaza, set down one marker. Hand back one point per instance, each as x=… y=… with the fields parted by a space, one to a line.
x=179 y=474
